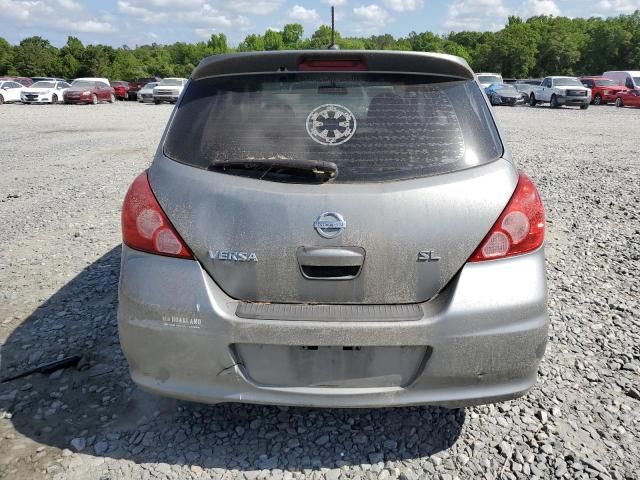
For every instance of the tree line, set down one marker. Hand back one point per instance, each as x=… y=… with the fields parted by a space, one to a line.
x=539 y=46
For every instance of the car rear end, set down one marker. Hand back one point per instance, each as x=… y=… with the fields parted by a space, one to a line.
x=121 y=90
x=337 y=229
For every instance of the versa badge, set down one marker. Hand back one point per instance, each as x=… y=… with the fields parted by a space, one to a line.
x=232 y=256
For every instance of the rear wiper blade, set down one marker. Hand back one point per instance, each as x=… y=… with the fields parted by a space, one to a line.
x=318 y=168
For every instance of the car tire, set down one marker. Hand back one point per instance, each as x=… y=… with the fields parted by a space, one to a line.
x=584 y=107
x=54 y=99
x=597 y=100
x=532 y=100
x=112 y=98
x=619 y=102
x=554 y=102
x=94 y=99
x=157 y=102
x=1 y=99
x=493 y=100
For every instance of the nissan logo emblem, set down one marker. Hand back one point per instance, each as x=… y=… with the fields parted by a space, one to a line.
x=329 y=224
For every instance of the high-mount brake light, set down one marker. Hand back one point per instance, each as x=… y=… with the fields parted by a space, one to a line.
x=520 y=227
x=332 y=64
x=145 y=226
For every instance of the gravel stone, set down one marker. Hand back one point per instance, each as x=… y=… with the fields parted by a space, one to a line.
x=101 y=447
x=79 y=443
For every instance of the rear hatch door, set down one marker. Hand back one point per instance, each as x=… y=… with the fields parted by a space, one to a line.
x=347 y=188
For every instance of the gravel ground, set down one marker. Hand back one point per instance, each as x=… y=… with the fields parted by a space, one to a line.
x=65 y=172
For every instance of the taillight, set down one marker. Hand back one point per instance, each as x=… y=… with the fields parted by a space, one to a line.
x=145 y=226
x=520 y=228
x=327 y=64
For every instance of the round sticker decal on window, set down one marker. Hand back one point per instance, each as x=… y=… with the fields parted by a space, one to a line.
x=331 y=124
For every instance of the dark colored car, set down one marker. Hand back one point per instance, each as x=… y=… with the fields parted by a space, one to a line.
x=503 y=94
x=121 y=88
x=603 y=90
x=88 y=91
x=136 y=86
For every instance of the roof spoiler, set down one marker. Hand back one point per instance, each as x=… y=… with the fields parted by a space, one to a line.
x=381 y=61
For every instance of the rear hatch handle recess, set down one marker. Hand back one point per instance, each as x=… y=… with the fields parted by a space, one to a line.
x=330 y=263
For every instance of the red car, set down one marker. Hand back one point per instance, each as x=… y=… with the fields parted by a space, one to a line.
x=628 y=98
x=121 y=88
x=89 y=91
x=603 y=90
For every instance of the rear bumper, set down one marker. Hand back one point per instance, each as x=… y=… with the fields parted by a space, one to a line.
x=484 y=337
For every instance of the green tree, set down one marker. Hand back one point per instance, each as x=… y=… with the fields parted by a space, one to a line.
x=218 y=44
x=68 y=66
x=252 y=43
x=514 y=49
x=35 y=56
x=292 y=35
x=561 y=41
x=73 y=47
x=273 y=40
x=321 y=38
x=424 y=42
x=125 y=66
x=96 y=61
x=352 y=43
x=380 y=42
x=6 y=57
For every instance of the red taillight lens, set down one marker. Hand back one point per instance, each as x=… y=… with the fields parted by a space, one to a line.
x=339 y=64
x=520 y=228
x=145 y=226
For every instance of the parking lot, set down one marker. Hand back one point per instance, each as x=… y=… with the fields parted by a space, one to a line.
x=65 y=170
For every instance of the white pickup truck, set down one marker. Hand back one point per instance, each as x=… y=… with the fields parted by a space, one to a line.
x=558 y=91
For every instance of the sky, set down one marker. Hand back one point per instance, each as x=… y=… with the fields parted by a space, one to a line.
x=137 y=22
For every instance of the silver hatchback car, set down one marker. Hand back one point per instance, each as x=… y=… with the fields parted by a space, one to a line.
x=333 y=229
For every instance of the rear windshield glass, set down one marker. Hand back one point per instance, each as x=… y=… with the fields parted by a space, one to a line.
x=174 y=82
x=567 y=82
x=83 y=83
x=606 y=83
x=373 y=127
x=506 y=89
x=489 y=79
